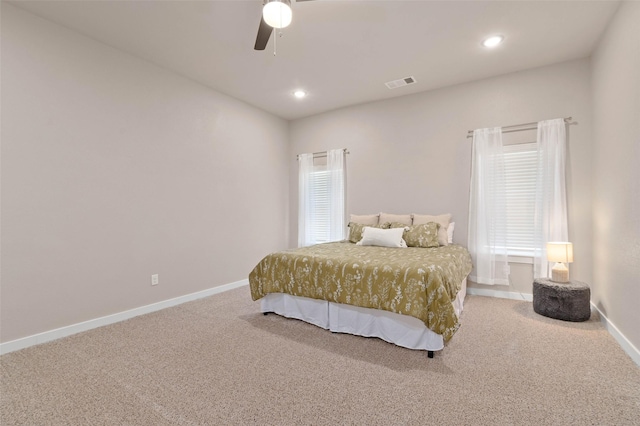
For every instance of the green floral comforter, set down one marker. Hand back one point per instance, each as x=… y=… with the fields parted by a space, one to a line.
x=420 y=282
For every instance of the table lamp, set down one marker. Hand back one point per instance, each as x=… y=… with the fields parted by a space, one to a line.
x=561 y=253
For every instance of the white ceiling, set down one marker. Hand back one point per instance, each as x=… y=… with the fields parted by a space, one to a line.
x=340 y=52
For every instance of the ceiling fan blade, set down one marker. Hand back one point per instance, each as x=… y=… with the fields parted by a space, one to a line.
x=264 y=32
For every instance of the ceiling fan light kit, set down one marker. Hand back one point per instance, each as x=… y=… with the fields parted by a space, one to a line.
x=277 y=13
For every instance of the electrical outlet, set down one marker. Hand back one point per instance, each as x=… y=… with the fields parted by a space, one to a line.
x=154 y=279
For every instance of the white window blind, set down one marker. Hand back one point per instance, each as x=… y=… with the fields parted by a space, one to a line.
x=320 y=212
x=520 y=162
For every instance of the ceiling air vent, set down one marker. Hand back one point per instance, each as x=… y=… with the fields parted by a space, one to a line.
x=399 y=83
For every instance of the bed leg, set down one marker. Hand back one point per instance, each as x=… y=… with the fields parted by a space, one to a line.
x=430 y=354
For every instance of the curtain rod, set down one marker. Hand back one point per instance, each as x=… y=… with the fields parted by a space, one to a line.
x=525 y=126
x=322 y=154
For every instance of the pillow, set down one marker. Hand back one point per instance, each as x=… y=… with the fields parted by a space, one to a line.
x=382 y=237
x=402 y=218
x=443 y=220
x=395 y=225
x=450 y=232
x=365 y=219
x=424 y=235
x=355 y=230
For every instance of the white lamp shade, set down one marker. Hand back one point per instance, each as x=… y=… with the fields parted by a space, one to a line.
x=277 y=13
x=560 y=252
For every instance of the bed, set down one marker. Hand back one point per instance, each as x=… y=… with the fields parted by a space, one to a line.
x=411 y=297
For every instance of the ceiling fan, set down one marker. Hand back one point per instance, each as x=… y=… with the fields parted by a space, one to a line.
x=275 y=14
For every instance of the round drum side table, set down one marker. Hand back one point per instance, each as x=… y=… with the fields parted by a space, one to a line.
x=563 y=301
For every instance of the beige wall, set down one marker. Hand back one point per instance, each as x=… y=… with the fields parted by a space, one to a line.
x=411 y=154
x=616 y=168
x=114 y=169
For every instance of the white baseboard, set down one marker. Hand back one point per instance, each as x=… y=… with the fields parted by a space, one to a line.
x=58 y=333
x=500 y=294
x=624 y=343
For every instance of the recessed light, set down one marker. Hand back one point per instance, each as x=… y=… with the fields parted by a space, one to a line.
x=493 y=41
x=299 y=94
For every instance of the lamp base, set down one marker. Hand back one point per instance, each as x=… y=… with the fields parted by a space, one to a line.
x=560 y=273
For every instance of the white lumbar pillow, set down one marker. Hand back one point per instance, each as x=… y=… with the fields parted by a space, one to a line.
x=382 y=237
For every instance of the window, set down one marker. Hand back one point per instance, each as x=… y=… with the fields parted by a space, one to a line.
x=517 y=200
x=321 y=212
x=520 y=167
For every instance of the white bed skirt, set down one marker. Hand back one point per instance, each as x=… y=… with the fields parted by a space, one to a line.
x=401 y=330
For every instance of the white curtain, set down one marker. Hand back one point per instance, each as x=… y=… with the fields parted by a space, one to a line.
x=305 y=198
x=337 y=183
x=321 y=199
x=551 y=197
x=487 y=209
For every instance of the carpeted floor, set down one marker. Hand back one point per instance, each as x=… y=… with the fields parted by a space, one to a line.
x=218 y=361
